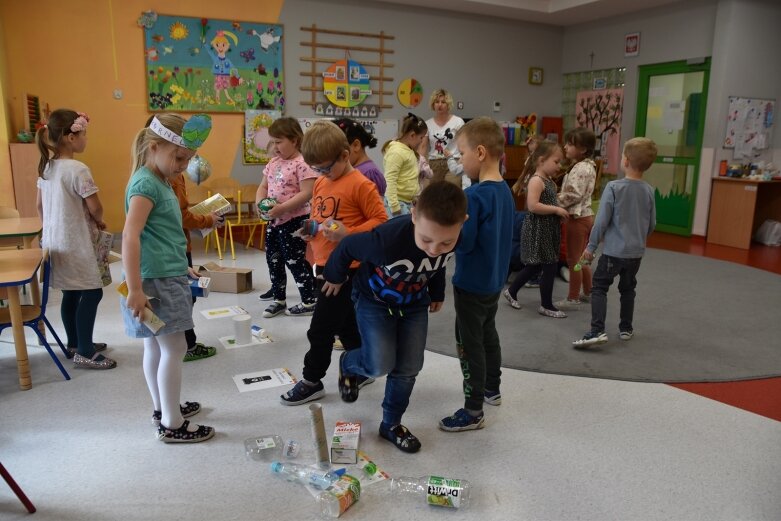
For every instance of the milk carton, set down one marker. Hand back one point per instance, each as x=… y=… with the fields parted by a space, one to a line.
x=344 y=444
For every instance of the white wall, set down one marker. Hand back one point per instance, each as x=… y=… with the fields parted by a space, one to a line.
x=478 y=59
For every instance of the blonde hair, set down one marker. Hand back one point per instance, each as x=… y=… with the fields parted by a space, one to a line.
x=484 y=131
x=139 y=150
x=411 y=123
x=641 y=153
x=441 y=93
x=324 y=141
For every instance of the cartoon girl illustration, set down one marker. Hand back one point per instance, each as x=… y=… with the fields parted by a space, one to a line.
x=221 y=64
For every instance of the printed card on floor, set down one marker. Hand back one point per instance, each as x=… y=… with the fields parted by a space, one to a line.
x=263 y=379
x=367 y=471
x=226 y=312
x=229 y=342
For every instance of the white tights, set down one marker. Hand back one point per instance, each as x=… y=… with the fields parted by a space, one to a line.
x=163 y=359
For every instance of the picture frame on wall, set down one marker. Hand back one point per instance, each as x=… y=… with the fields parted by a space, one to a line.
x=535 y=75
x=600 y=83
x=632 y=44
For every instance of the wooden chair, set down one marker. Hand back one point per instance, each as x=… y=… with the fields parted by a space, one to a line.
x=33 y=315
x=228 y=188
x=245 y=196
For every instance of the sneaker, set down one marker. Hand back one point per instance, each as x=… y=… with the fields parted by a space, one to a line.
x=568 y=304
x=183 y=435
x=348 y=384
x=269 y=295
x=551 y=313
x=532 y=284
x=401 y=437
x=98 y=346
x=363 y=381
x=187 y=410
x=97 y=361
x=513 y=303
x=277 y=307
x=626 y=335
x=592 y=338
x=564 y=273
x=199 y=352
x=462 y=421
x=492 y=397
x=300 y=310
x=584 y=298
x=302 y=393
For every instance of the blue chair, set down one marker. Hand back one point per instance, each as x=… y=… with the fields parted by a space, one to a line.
x=32 y=316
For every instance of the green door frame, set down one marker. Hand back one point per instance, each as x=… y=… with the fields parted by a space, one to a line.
x=644 y=80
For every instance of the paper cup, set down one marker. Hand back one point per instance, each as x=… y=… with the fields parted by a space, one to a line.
x=241 y=329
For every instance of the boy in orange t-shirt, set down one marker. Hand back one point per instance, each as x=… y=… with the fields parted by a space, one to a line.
x=344 y=201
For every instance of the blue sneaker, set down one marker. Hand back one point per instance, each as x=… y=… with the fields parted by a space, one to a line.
x=302 y=393
x=462 y=421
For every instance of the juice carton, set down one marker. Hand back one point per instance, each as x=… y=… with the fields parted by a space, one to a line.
x=150 y=320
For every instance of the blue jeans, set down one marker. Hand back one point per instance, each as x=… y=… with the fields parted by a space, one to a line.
x=392 y=343
x=607 y=270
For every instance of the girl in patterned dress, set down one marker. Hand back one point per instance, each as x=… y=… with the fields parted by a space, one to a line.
x=541 y=233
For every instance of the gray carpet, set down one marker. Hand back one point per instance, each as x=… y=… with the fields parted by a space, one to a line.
x=696 y=320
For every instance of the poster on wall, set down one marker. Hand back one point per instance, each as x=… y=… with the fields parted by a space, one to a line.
x=346 y=83
x=600 y=111
x=749 y=125
x=256 y=137
x=210 y=65
x=383 y=129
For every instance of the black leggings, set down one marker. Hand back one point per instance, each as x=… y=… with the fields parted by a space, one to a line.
x=546 y=282
x=78 y=310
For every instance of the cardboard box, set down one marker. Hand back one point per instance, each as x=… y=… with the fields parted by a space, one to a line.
x=227 y=280
x=344 y=444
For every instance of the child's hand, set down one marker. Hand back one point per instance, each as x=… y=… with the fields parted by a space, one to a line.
x=448 y=153
x=136 y=303
x=193 y=274
x=434 y=307
x=334 y=230
x=330 y=289
x=561 y=212
x=276 y=211
x=218 y=221
x=588 y=255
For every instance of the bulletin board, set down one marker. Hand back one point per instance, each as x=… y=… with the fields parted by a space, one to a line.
x=749 y=124
x=383 y=129
x=210 y=65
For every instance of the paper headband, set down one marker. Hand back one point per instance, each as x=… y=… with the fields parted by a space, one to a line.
x=194 y=133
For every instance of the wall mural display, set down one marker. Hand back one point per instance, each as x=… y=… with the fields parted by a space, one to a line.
x=202 y=64
x=346 y=83
x=600 y=111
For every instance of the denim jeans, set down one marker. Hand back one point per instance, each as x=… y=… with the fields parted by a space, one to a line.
x=392 y=342
x=607 y=270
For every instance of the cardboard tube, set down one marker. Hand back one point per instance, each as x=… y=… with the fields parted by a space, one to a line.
x=318 y=435
x=241 y=328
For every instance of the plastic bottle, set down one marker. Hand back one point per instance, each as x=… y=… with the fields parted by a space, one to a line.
x=306 y=475
x=266 y=447
x=437 y=491
x=341 y=496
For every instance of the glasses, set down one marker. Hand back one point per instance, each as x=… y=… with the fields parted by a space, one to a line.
x=326 y=169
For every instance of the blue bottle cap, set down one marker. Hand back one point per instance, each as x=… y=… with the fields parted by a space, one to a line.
x=276 y=466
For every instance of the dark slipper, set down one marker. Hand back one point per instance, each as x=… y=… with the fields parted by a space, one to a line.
x=348 y=384
x=401 y=437
x=98 y=346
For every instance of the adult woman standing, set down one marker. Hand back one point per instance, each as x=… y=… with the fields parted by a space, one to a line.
x=441 y=137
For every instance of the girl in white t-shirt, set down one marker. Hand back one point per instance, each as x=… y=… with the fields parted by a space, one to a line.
x=72 y=218
x=442 y=130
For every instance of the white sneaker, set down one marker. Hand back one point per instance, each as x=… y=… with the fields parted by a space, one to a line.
x=592 y=338
x=568 y=304
x=626 y=335
x=564 y=273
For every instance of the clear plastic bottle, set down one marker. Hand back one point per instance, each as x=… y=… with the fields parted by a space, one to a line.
x=320 y=479
x=437 y=491
x=266 y=447
x=341 y=496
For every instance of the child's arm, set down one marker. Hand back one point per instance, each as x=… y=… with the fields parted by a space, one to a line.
x=363 y=247
x=138 y=213
x=262 y=193
x=453 y=165
x=424 y=169
x=295 y=202
x=372 y=209
x=533 y=204
x=95 y=209
x=436 y=290
x=392 y=166
x=39 y=205
x=652 y=221
x=468 y=238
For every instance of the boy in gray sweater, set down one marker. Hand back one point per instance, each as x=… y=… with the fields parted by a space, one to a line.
x=627 y=216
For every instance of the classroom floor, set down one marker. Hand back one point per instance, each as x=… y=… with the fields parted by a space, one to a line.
x=558 y=448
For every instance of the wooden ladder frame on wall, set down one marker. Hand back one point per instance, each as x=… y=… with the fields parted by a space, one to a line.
x=316 y=77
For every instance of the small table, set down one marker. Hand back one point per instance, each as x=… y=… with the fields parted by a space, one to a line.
x=28 y=228
x=17 y=268
x=738 y=207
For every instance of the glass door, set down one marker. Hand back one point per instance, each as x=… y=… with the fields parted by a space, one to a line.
x=671 y=104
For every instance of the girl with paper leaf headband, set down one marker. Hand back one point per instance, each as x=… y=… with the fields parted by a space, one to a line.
x=72 y=217
x=158 y=305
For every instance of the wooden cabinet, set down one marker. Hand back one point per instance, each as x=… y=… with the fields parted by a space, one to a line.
x=24 y=166
x=514 y=158
x=738 y=207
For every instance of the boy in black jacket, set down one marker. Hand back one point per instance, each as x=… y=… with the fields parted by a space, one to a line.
x=401 y=279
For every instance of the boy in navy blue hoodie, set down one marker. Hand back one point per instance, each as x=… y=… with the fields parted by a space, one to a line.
x=482 y=260
x=400 y=280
